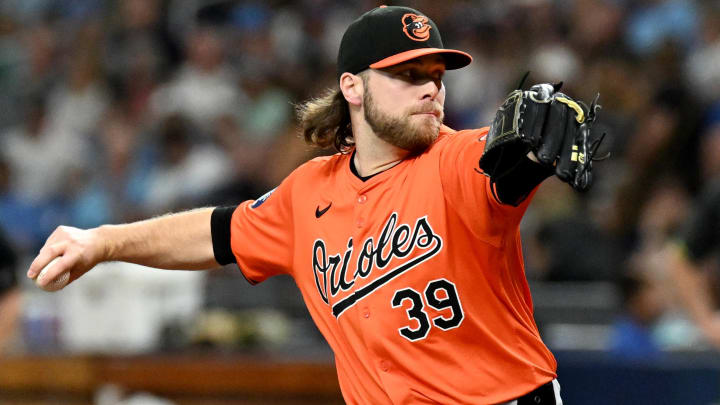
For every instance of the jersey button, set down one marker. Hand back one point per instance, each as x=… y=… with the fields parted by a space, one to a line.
x=385 y=365
x=360 y=222
x=366 y=313
x=362 y=199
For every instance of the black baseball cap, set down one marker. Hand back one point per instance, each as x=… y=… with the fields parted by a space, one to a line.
x=388 y=35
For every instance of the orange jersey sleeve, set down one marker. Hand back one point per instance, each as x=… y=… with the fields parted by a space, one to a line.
x=261 y=234
x=468 y=190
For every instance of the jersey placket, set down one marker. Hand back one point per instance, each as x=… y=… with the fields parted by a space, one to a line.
x=361 y=213
x=375 y=334
x=367 y=198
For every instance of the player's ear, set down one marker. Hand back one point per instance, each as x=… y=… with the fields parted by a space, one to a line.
x=352 y=88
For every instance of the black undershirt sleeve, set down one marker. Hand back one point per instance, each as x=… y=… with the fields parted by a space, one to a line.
x=220 y=230
x=515 y=186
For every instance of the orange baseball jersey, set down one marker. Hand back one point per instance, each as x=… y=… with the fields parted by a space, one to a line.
x=415 y=276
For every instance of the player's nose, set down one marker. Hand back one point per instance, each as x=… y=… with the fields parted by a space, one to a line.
x=431 y=89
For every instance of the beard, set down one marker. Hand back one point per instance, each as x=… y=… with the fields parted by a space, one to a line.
x=404 y=132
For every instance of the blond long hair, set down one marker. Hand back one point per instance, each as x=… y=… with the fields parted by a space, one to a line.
x=325 y=121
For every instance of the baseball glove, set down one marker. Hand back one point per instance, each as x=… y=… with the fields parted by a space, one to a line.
x=555 y=127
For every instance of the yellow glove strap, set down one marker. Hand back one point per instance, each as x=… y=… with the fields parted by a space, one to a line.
x=580 y=117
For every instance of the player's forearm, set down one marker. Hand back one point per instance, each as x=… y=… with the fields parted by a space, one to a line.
x=174 y=241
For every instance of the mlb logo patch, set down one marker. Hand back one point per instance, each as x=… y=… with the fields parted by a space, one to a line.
x=262 y=199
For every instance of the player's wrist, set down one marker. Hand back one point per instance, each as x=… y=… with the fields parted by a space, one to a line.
x=106 y=243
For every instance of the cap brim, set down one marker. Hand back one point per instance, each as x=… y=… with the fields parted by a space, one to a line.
x=454 y=59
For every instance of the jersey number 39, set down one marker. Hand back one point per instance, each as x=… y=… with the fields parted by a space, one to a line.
x=440 y=295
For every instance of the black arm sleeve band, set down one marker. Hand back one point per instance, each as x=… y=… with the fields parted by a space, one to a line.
x=220 y=229
x=514 y=186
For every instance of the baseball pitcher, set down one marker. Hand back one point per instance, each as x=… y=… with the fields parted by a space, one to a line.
x=405 y=244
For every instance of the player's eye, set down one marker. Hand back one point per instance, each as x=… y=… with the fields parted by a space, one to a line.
x=417 y=76
x=406 y=74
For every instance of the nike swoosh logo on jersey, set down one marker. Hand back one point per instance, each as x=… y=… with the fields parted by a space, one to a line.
x=320 y=212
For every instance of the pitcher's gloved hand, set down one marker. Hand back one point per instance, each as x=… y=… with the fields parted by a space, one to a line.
x=556 y=128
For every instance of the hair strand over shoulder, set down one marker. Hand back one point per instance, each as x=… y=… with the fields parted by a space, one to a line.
x=325 y=121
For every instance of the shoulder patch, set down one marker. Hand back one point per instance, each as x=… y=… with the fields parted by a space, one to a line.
x=262 y=199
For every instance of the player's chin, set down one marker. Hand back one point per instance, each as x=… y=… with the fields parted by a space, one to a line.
x=423 y=139
x=429 y=128
x=425 y=122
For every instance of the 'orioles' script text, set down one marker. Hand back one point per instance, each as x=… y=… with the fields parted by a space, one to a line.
x=395 y=241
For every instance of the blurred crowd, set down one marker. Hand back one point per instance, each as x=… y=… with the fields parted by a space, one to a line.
x=112 y=111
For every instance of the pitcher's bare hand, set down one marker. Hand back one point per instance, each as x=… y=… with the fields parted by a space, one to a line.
x=77 y=251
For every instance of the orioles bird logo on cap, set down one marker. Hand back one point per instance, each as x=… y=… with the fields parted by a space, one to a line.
x=416 y=27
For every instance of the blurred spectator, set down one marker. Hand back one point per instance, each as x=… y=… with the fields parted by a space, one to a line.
x=112 y=189
x=694 y=263
x=702 y=68
x=35 y=162
x=555 y=63
x=643 y=304
x=247 y=157
x=205 y=85
x=656 y=22
x=29 y=67
x=476 y=91
x=563 y=243
x=138 y=52
x=184 y=172
x=77 y=103
x=595 y=26
x=38 y=154
x=124 y=316
x=268 y=110
x=658 y=144
x=662 y=216
x=18 y=216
